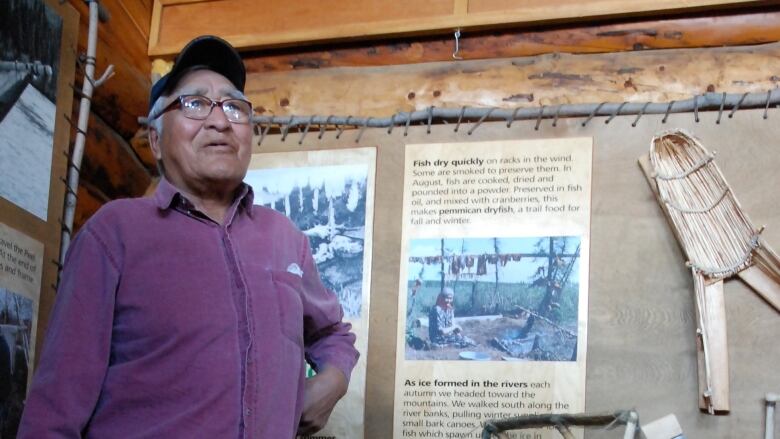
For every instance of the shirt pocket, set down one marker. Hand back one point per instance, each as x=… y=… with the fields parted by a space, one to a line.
x=289 y=289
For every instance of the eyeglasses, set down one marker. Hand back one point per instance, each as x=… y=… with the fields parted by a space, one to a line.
x=199 y=107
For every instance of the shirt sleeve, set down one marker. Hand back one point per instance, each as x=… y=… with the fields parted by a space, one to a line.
x=75 y=355
x=327 y=338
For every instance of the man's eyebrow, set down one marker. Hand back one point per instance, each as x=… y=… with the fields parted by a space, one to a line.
x=190 y=91
x=233 y=93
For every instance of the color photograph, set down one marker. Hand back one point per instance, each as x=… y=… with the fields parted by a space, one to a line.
x=493 y=299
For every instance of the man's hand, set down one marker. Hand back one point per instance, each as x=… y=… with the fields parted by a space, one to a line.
x=323 y=391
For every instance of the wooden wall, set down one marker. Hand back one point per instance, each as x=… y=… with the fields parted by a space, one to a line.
x=604 y=60
x=114 y=166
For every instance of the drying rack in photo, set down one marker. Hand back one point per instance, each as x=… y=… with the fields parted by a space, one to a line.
x=493 y=299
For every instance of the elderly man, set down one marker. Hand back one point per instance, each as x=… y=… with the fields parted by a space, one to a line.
x=189 y=314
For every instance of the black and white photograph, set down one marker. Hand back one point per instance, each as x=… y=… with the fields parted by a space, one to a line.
x=30 y=34
x=328 y=203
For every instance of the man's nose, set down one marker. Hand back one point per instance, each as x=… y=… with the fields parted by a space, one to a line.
x=217 y=119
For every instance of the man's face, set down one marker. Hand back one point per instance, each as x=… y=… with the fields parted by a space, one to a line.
x=204 y=154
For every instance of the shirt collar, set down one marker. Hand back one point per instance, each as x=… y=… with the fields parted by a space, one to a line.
x=166 y=196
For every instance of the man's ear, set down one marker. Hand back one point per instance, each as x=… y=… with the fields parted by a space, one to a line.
x=154 y=143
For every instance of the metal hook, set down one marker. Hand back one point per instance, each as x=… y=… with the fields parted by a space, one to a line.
x=264 y=133
x=460 y=117
x=479 y=122
x=323 y=126
x=736 y=107
x=766 y=107
x=286 y=129
x=696 y=108
x=430 y=118
x=641 y=112
x=539 y=117
x=306 y=130
x=720 y=110
x=457 y=45
x=344 y=125
x=668 y=109
x=363 y=128
x=557 y=112
x=392 y=124
x=593 y=113
x=511 y=119
x=620 y=107
x=408 y=121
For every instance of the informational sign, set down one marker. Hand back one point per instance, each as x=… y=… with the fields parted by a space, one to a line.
x=329 y=195
x=493 y=295
x=21 y=260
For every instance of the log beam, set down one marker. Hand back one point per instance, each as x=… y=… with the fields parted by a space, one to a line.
x=110 y=164
x=640 y=76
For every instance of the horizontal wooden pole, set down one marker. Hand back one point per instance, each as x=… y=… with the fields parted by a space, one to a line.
x=638 y=77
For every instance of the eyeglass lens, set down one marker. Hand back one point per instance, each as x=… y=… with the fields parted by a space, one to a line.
x=199 y=107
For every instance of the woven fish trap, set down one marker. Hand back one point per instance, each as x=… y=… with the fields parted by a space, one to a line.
x=717 y=236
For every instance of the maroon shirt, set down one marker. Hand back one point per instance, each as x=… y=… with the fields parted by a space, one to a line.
x=169 y=325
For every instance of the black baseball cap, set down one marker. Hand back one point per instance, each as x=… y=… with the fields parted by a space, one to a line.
x=207 y=50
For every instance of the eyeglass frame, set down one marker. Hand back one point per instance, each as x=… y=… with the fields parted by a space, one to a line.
x=178 y=103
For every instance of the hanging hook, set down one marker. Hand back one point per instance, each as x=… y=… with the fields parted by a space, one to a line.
x=460 y=118
x=264 y=132
x=766 y=107
x=736 y=107
x=479 y=122
x=392 y=124
x=306 y=130
x=342 y=127
x=620 y=107
x=363 y=128
x=457 y=45
x=323 y=126
x=593 y=113
x=720 y=110
x=286 y=129
x=668 y=109
x=511 y=118
x=557 y=113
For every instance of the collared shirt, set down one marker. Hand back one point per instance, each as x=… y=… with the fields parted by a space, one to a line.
x=169 y=325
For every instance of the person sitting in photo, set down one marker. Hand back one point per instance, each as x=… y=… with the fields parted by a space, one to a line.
x=442 y=329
